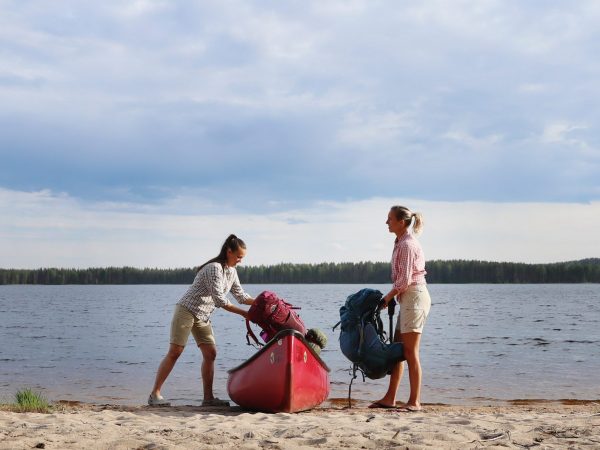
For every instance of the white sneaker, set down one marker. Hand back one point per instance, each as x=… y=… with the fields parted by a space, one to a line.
x=157 y=401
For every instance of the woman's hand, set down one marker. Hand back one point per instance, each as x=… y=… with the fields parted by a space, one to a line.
x=389 y=296
x=236 y=310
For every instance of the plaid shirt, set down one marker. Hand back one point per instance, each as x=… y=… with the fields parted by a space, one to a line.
x=408 y=263
x=209 y=290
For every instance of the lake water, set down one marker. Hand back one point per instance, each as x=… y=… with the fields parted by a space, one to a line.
x=482 y=343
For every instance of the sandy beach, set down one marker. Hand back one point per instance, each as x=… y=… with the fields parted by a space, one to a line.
x=537 y=424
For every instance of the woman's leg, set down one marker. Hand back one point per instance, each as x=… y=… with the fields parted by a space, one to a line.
x=411 y=353
x=389 y=399
x=165 y=367
x=209 y=354
x=181 y=324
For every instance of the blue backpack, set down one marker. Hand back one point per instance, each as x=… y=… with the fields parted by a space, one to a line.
x=362 y=337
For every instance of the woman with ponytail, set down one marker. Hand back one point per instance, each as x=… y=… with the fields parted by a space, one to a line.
x=410 y=289
x=214 y=280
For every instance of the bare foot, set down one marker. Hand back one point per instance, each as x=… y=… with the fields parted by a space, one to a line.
x=412 y=408
x=382 y=404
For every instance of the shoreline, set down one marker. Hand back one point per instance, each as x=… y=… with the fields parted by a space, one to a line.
x=523 y=424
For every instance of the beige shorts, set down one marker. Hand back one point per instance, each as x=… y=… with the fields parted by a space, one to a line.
x=185 y=322
x=415 y=304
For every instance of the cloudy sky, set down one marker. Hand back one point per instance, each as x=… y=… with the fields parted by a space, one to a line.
x=143 y=132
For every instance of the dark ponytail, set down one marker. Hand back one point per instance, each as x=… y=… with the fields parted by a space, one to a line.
x=232 y=243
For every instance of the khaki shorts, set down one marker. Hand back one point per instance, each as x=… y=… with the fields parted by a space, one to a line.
x=185 y=322
x=415 y=304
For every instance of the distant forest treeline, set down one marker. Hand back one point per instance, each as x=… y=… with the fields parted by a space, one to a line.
x=449 y=271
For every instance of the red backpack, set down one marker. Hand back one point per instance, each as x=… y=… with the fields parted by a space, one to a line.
x=272 y=314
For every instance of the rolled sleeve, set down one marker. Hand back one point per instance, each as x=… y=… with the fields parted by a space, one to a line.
x=217 y=286
x=403 y=264
x=237 y=291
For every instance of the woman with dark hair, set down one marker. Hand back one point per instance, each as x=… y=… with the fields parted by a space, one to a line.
x=214 y=280
x=410 y=289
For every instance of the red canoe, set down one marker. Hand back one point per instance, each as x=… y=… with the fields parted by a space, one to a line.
x=286 y=375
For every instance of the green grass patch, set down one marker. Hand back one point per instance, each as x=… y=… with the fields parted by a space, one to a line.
x=26 y=400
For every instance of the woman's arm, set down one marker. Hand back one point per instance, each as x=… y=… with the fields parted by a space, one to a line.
x=216 y=285
x=234 y=309
x=238 y=292
x=403 y=266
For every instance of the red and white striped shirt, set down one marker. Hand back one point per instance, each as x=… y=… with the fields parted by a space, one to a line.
x=408 y=263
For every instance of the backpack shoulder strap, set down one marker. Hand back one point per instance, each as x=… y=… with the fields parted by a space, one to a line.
x=250 y=334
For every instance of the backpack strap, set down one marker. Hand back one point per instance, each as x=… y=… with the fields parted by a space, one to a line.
x=361 y=333
x=355 y=368
x=250 y=334
x=391 y=308
x=290 y=305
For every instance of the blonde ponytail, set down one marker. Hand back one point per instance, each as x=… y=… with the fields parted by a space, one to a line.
x=403 y=213
x=417 y=222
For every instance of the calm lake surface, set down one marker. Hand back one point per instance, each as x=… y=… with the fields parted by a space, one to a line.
x=482 y=343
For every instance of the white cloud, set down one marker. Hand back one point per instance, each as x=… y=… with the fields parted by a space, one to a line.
x=558 y=132
x=533 y=88
x=156 y=95
x=41 y=229
x=574 y=138
x=371 y=130
x=139 y=8
x=467 y=139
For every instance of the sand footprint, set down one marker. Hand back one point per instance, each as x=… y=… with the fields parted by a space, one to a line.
x=460 y=422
